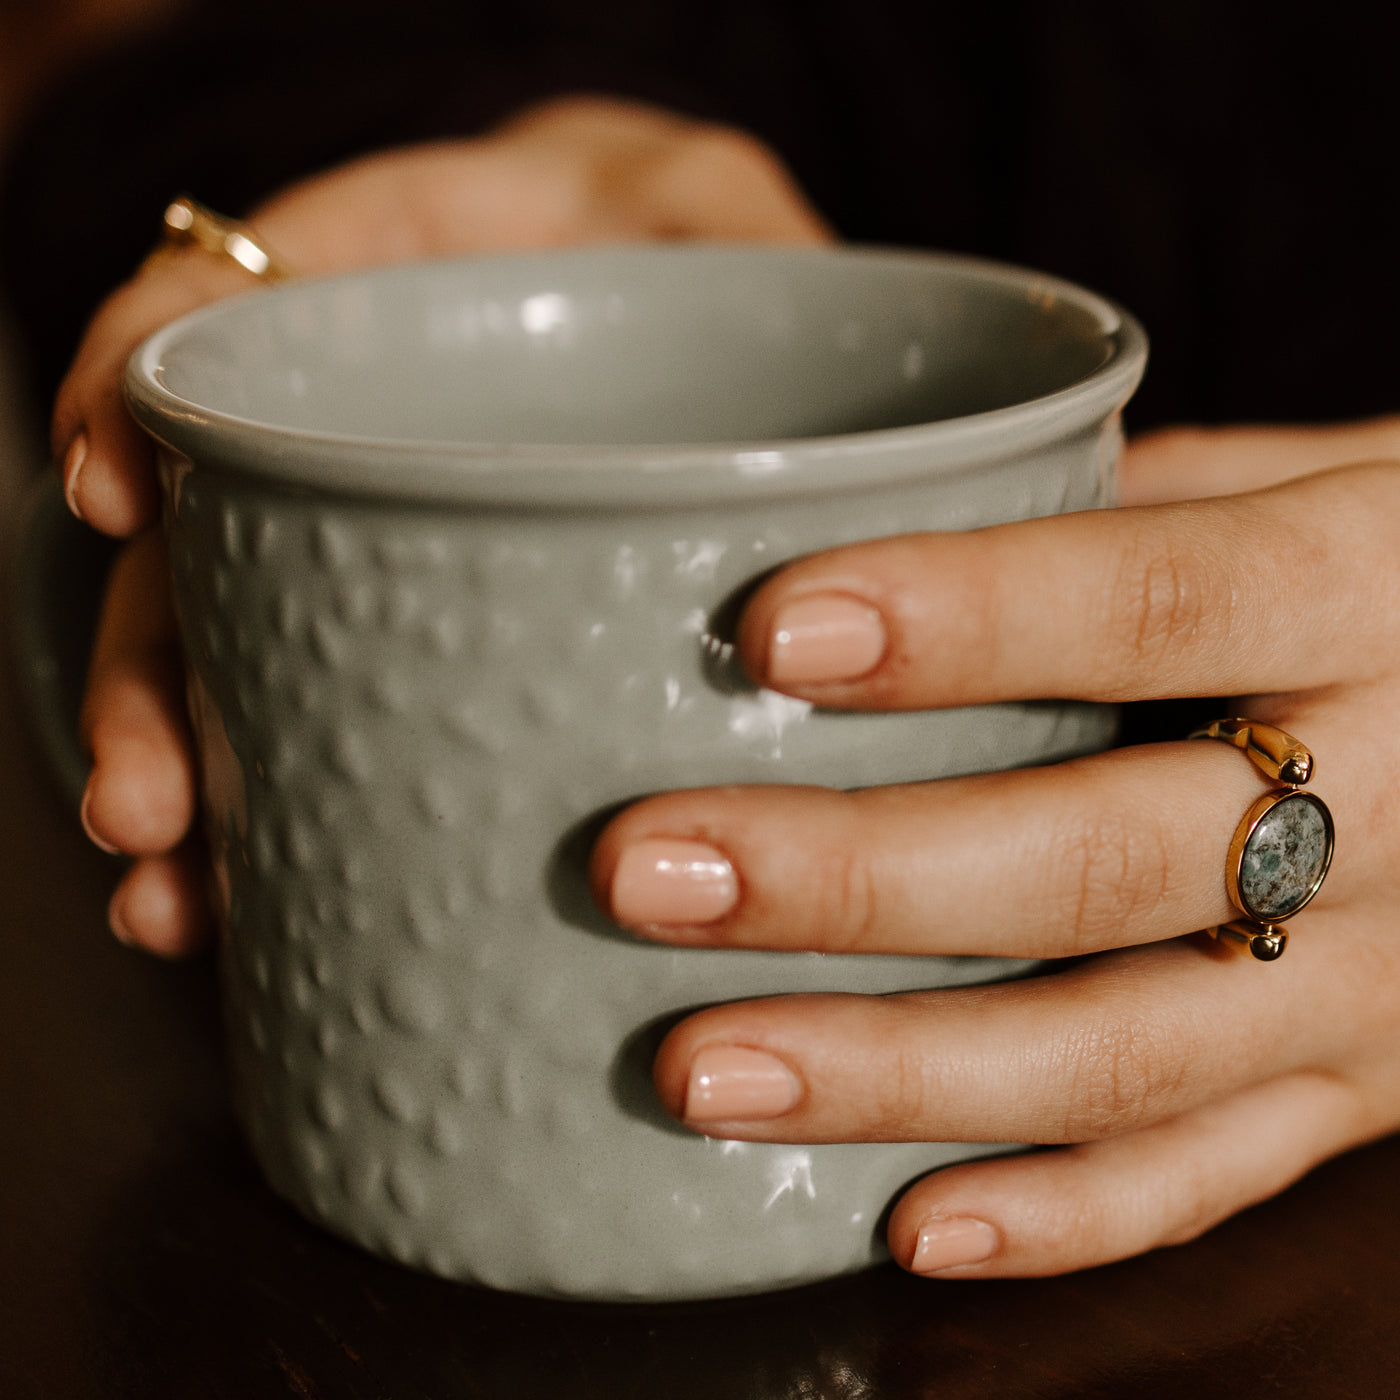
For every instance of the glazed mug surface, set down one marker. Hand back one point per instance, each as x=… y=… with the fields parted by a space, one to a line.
x=455 y=547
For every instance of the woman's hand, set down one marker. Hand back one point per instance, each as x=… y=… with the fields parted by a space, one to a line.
x=1180 y=1081
x=1184 y=1083
x=575 y=170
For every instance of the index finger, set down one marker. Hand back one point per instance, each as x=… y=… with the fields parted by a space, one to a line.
x=1279 y=590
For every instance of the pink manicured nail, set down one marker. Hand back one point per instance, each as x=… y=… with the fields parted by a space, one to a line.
x=824 y=637
x=664 y=882
x=729 y=1083
x=98 y=841
x=950 y=1241
x=72 y=469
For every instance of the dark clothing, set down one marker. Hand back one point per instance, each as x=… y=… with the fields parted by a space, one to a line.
x=1221 y=169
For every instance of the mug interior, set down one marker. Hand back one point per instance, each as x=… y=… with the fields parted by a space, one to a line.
x=639 y=346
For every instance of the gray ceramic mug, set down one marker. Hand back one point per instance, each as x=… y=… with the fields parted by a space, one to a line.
x=454 y=547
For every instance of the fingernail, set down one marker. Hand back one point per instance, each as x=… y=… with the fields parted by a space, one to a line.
x=824 y=637
x=729 y=1083
x=950 y=1241
x=661 y=882
x=72 y=469
x=98 y=841
x=116 y=921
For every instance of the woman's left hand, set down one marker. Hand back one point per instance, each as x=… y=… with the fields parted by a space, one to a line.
x=1180 y=1081
x=572 y=170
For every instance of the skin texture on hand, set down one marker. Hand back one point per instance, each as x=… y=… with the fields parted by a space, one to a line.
x=573 y=171
x=1173 y=1081
x=1178 y=1081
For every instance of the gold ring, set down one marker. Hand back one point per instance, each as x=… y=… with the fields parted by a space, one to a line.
x=1283 y=845
x=189 y=224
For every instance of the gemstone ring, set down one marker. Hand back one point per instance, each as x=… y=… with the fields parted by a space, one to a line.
x=1283 y=845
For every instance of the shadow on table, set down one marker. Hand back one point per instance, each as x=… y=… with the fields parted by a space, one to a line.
x=209 y=1286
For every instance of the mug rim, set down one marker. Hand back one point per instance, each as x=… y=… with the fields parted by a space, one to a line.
x=641 y=474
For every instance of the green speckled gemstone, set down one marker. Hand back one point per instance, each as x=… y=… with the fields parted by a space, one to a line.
x=1285 y=857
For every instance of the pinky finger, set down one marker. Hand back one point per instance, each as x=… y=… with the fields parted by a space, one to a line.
x=1073 y=1208
x=160 y=904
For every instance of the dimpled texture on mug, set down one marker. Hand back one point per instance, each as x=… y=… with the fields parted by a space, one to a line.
x=410 y=721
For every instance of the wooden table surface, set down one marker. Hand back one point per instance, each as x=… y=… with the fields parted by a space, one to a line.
x=140 y=1255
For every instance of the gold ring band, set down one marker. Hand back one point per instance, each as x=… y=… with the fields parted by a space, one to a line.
x=1282 y=848
x=189 y=224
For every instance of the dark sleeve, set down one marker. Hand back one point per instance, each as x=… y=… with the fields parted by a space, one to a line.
x=233 y=102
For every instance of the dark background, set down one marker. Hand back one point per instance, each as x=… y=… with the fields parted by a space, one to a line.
x=1221 y=169
x=1224 y=170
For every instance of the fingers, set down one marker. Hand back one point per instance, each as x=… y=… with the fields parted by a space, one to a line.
x=1181 y=464
x=140 y=796
x=724 y=184
x=646 y=172
x=1275 y=591
x=1052 y=1212
x=576 y=170
x=107 y=463
x=160 y=904
x=141 y=793
x=1112 y=1045
x=1033 y=863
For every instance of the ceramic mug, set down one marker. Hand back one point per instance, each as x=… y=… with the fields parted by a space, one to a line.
x=454 y=547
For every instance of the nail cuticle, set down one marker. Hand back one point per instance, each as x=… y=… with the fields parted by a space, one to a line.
x=98 y=841
x=73 y=460
x=120 y=930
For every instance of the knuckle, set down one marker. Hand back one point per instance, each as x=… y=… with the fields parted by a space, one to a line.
x=1169 y=599
x=723 y=152
x=904 y=1096
x=1193 y=1207
x=848 y=908
x=1113 y=870
x=1118 y=1073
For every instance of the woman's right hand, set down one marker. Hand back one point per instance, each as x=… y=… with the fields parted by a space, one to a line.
x=571 y=171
